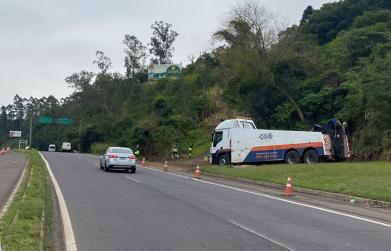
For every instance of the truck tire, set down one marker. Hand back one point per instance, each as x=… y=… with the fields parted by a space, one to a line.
x=311 y=157
x=292 y=157
x=223 y=160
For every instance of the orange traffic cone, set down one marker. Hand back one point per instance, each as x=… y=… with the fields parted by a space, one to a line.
x=197 y=173
x=143 y=161
x=165 y=167
x=288 y=188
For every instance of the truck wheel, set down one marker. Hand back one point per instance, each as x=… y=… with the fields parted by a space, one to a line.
x=223 y=160
x=310 y=157
x=292 y=157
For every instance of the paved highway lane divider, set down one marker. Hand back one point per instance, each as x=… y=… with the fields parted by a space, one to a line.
x=70 y=242
x=27 y=222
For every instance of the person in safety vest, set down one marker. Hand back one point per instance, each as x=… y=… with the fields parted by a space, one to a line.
x=190 y=151
x=175 y=152
x=137 y=152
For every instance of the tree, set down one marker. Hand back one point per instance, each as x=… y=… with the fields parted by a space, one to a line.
x=135 y=55
x=306 y=14
x=162 y=41
x=251 y=34
x=80 y=81
x=3 y=123
x=252 y=21
x=103 y=62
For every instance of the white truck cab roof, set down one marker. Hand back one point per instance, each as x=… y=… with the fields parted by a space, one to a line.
x=236 y=123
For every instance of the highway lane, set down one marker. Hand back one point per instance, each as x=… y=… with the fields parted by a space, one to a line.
x=157 y=211
x=111 y=212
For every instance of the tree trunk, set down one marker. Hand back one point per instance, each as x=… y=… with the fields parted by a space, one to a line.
x=293 y=102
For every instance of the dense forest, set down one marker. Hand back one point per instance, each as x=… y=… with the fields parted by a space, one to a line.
x=335 y=63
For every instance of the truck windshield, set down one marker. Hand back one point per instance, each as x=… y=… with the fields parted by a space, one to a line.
x=217 y=138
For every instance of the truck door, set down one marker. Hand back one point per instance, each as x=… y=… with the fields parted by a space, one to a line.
x=217 y=137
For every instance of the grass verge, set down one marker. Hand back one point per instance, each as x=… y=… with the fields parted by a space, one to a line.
x=370 y=180
x=27 y=223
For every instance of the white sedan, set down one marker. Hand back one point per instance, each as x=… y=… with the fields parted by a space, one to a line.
x=118 y=158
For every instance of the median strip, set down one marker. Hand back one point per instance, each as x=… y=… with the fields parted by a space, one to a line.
x=27 y=223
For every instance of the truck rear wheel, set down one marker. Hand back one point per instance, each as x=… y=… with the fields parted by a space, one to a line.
x=223 y=160
x=292 y=157
x=310 y=157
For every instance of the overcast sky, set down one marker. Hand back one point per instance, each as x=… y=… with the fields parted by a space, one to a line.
x=44 y=41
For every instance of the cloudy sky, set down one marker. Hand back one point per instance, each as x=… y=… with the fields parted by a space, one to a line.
x=44 y=41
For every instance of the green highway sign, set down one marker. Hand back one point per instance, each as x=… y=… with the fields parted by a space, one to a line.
x=65 y=121
x=46 y=120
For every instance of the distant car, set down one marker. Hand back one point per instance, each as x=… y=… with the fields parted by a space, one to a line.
x=66 y=147
x=118 y=158
x=52 y=148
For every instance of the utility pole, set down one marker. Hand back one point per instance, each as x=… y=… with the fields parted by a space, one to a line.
x=31 y=131
x=79 y=136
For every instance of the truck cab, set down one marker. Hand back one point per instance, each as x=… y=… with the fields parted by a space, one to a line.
x=221 y=140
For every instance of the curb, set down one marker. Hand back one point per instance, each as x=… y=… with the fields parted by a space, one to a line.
x=11 y=197
x=70 y=242
x=329 y=195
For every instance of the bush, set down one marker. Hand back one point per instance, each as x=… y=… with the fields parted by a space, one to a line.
x=100 y=148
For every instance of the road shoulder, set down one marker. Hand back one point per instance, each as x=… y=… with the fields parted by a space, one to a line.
x=331 y=203
x=12 y=166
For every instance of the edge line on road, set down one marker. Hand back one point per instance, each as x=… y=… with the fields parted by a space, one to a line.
x=13 y=193
x=70 y=242
x=298 y=203
x=138 y=181
x=282 y=200
x=260 y=235
x=171 y=173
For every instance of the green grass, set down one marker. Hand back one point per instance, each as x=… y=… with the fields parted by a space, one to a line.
x=366 y=179
x=22 y=227
x=201 y=146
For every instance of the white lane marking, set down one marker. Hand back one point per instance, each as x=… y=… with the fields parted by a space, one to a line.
x=174 y=174
x=260 y=235
x=132 y=179
x=284 y=200
x=70 y=242
x=298 y=203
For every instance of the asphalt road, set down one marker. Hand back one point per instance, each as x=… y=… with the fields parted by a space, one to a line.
x=151 y=210
x=11 y=167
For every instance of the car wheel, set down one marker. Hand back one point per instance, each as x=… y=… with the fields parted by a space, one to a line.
x=310 y=157
x=106 y=168
x=223 y=160
x=100 y=164
x=292 y=157
x=133 y=170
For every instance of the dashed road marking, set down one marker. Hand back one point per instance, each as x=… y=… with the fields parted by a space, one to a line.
x=260 y=235
x=138 y=181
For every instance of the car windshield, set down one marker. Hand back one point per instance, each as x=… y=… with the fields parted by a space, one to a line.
x=120 y=150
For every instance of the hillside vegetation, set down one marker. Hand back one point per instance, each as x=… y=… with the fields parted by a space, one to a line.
x=335 y=63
